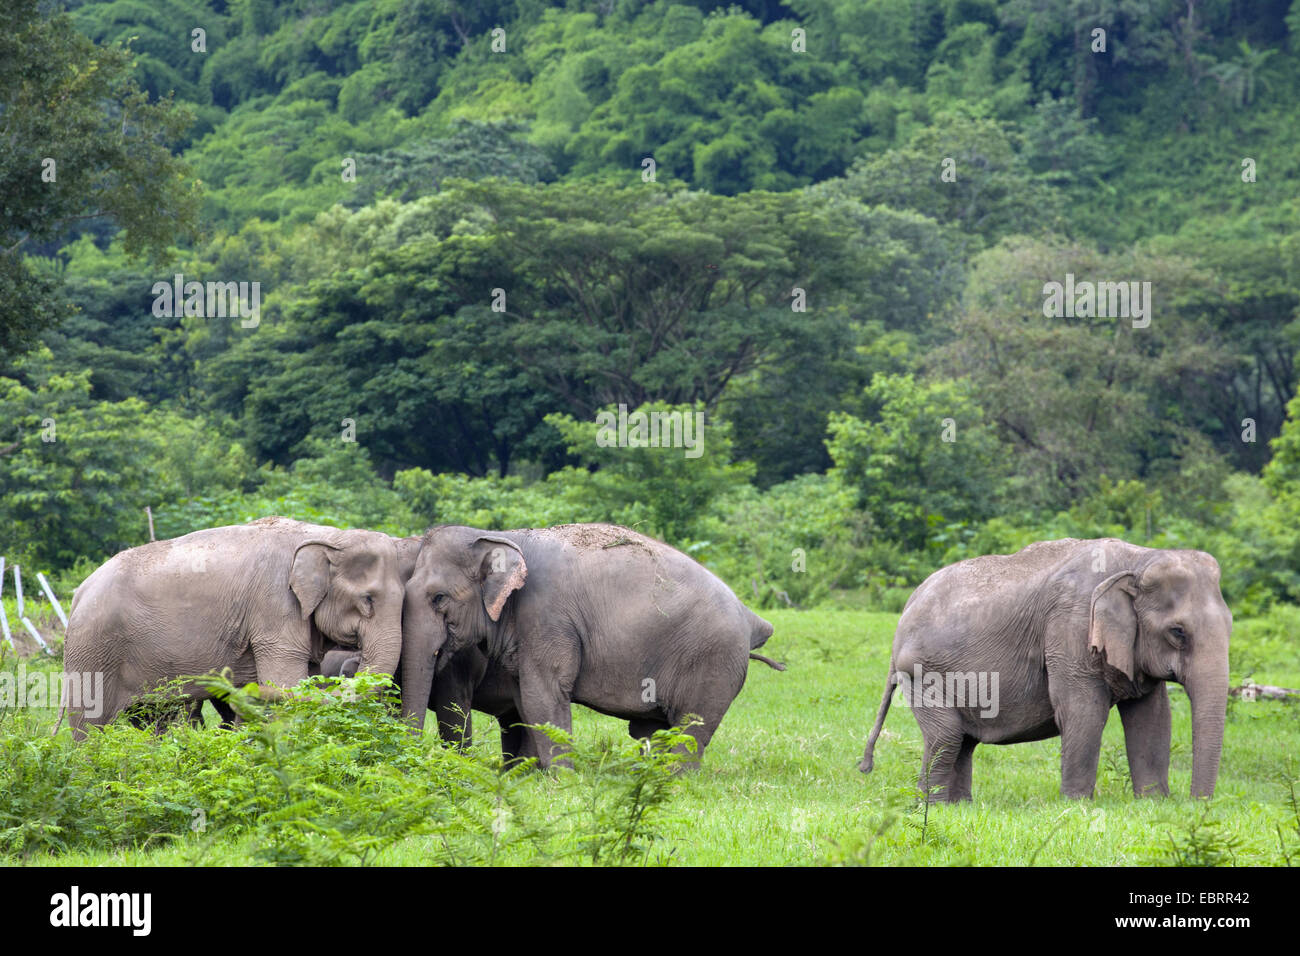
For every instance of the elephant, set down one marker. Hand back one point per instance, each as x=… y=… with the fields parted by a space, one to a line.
x=336 y=663
x=1062 y=631
x=264 y=599
x=527 y=622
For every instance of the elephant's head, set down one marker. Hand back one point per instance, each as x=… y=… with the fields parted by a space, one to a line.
x=1167 y=620
x=348 y=584
x=454 y=599
x=338 y=663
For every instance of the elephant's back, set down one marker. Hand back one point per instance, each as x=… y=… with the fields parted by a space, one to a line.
x=622 y=581
x=614 y=556
x=990 y=575
x=973 y=599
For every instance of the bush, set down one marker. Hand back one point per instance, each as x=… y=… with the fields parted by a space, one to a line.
x=327 y=776
x=925 y=459
x=792 y=544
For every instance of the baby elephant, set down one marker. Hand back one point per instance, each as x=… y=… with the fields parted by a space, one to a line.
x=1007 y=648
x=340 y=664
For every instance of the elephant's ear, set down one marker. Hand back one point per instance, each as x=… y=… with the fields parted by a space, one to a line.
x=408 y=549
x=1113 y=624
x=502 y=571
x=309 y=578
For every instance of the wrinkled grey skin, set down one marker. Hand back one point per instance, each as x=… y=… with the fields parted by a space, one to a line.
x=408 y=550
x=264 y=599
x=468 y=681
x=1072 y=628
x=594 y=614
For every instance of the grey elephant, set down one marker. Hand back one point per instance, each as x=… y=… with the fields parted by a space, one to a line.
x=340 y=663
x=1060 y=632
x=263 y=599
x=594 y=614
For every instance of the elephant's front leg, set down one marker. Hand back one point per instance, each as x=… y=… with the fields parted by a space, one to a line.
x=452 y=702
x=1081 y=707
x=455 y=725
x=543 y=700
x=1147 y=731
x=281 y=658
x=512 y=738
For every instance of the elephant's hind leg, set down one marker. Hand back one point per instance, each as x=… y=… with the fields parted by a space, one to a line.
x=703 y=732
x=961 y=789
x=112 y=703
x=944 y=743
x=77 y=723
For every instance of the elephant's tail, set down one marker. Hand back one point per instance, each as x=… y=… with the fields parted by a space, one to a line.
x=868 y=755
x=759 y=630
x=775 y=665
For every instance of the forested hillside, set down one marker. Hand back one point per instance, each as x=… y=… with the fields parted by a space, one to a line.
x=827 y=225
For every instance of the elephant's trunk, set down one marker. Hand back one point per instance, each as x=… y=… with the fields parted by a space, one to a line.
x=381 y=645
x=1208 y=691
x=423 y=635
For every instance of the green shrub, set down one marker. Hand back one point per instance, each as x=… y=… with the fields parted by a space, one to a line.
x=326 y=776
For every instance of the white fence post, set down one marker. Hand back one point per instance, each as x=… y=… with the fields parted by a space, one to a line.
x=49 y=593
x=4 y=619
x=31 y=628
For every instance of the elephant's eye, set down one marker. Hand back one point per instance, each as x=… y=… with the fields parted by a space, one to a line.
x=439 y=600
x=1178 y=634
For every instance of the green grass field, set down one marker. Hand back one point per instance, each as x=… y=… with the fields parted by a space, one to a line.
x=780 y=785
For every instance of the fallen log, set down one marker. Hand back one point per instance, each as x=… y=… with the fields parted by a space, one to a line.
x=1250 y=691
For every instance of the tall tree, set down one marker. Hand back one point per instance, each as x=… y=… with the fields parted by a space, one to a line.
x=1087 y=394
x=78 y=141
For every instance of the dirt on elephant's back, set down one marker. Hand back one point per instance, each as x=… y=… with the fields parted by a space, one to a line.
x=595 y=537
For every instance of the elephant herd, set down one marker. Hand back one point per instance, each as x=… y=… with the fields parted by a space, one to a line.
x=519 y=624
x=522 y=624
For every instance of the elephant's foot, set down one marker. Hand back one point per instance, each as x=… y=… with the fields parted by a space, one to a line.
x=1077 y=793
x=944 y=794
x=1154 y=788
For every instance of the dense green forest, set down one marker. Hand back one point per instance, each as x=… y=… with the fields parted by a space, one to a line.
x=825 y=225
